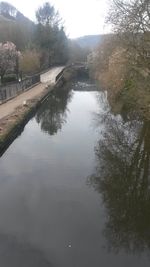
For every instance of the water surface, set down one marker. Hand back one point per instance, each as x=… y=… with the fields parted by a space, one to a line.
x=74 y=187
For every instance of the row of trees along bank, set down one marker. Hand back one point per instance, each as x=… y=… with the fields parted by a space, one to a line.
x=122 y=61
x=41 y=45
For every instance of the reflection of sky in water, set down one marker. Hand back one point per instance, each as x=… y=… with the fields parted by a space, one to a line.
x=47 y=211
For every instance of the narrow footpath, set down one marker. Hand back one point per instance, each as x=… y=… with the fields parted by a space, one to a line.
x=15 y=113
x=47 y=79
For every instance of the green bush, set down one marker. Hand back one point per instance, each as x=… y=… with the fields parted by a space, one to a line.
x=9 y=78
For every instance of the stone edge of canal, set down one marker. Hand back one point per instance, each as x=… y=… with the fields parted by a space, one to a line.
x=12 y=125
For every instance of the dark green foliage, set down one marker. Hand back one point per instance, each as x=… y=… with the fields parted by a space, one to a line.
x=47 y=36
x=46 y=15
x=50 y=37
x=9 y=78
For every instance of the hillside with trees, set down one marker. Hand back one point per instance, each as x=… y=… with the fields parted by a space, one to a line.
x=15 y=27
x=42 y=44
x=89 y=41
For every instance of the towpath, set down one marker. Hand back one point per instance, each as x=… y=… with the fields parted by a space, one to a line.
x=47 y=78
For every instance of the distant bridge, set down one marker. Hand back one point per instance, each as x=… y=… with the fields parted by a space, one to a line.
x=78 y=66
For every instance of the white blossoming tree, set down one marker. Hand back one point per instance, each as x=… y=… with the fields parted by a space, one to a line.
x=8 y=58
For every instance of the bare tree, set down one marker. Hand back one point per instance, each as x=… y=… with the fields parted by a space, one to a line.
x=130 y=16
x=131 y=21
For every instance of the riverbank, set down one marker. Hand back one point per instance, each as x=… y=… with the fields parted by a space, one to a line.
x=15 y=113
x=123 y=75
x=11 y=124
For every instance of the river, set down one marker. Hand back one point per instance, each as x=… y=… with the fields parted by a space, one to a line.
x=74 y=186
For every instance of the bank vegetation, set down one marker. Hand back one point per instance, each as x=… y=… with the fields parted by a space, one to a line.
x=122 y=61
x=30 y=47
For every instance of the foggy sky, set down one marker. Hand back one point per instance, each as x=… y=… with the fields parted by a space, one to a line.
x=81 y=17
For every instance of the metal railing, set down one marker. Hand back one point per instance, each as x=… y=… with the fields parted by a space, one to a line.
x=10 y=90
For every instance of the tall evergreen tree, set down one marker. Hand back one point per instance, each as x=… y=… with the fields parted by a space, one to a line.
x=50 y=36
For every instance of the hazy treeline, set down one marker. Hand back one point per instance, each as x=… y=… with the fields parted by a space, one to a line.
x=15 y=27
x=42 y=44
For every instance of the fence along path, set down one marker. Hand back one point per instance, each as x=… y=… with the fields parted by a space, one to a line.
x=11 y=90
x=10 y=106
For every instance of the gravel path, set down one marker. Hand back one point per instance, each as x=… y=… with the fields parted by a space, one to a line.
x=50 y=76
x=47 y=78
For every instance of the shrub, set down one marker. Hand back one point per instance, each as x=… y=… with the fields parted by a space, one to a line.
x=29 y=62
x=9 y=78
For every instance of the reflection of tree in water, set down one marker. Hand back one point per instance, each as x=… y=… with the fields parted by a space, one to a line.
x=122 y=177
x=52 y=114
